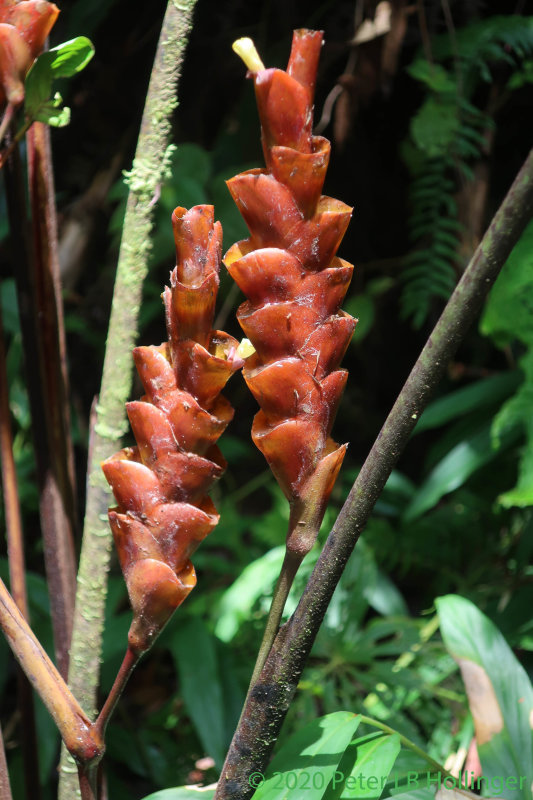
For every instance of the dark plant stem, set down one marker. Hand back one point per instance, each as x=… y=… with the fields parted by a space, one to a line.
x=129 y=663
x=39 y=325
x=267 y=704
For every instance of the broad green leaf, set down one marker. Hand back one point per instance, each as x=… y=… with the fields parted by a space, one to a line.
x=516 y=414
x=254 y=581
x=307 y=762
x=454 y=470
x=365 y=767
x=509 y=311
x=499 y=692
x=62 y=61
x=486 y=392
x=193 y=649
x=184 y=793
x=385 y=598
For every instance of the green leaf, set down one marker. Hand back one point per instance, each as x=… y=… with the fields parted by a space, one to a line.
x=255 y=580
x=435 y=126
x=454 y=470
x=365 y=767
x=362 y=307
x=509 y=311
x=433 y=75
x=499 y=691
x=486 y=392
x=183 y=793
x=193 y=649
x=62 y=61
x=306 y=764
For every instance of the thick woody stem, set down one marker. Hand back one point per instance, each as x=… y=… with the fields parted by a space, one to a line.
x=269 y=701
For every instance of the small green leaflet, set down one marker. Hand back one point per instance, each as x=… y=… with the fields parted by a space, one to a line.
x=62 y=61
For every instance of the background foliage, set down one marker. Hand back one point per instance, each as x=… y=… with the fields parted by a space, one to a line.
x=424 y=150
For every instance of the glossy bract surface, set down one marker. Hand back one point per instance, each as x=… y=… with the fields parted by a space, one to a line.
x=160 y=486
x=294 y=284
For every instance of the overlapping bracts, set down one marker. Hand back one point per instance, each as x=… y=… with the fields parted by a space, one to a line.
x=160 y=486
x=294 y=284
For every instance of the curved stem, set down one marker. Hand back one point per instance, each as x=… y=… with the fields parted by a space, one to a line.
x=289 y=568
x=407 y=743
x=129 y=663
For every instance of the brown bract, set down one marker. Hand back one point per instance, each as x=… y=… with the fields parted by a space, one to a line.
x=24 y=27
x=294 y=284
x=160 y=486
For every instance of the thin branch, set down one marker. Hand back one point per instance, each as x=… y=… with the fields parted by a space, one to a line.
x=60 y=523
x=149 y=168
x=74 y=726
x=270 y=699
x=129 y=663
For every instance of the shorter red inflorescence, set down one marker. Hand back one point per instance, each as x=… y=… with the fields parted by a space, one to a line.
x=160 y=486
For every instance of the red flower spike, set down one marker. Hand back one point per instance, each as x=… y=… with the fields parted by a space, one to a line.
x=160 y=486
x=24 y=27
x=294 y=285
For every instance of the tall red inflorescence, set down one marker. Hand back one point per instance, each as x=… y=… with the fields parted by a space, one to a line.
x=294 y=284
x=160 y=486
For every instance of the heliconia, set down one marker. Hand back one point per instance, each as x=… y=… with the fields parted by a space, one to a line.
x=163 y=512
x=294 y=285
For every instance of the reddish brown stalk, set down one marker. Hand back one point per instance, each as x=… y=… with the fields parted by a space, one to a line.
x=128 y=665
x=39 y=320
x=17 y=574
x=59 y=537
x=73 y=724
